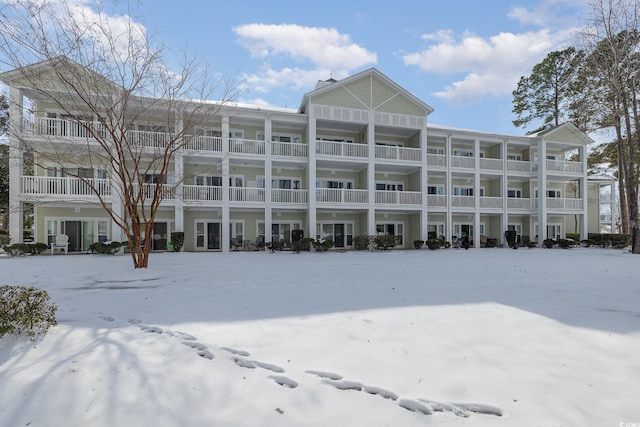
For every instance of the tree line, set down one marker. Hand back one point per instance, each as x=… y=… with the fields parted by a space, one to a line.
x=596 y=85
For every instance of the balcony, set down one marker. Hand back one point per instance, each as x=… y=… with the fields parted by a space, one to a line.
x=246 y=195
x=562 y=166
x=341 y=196
x=437 y=160
x=519 y=166
x=463 y=162
x=51 y=127
x=286 y=196
x=412 y=198
x=246 y=146
x=342 y=149
x=289 y=149
x=203 y=143
x=490 y=202
x=437 y=200
x=463 y=201
x=386 y=152
x=523 y=204
x=491 y=164
x=64 y=186
x=167 y=192
x=570 y=204
x=202 y=193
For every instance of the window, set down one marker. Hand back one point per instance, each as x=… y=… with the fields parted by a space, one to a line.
x=463 y=153
x=435 y=150
x=339 y=183
x=514 y=193
x=553 y=194
x=435 y=189
x=383 y=186
x=463 y=191
x=514 y=157
x=209 y=180
x=393 y=229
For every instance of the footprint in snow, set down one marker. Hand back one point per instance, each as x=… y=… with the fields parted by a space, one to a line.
x=205 y=354
x=151 y=329
x=134 y=321
x=252 y=364
x=380 y=392
x=343 y=384
x=234 y=351
x=107 y=318
x=284 y=381
x=322 y=374
x=195 y=344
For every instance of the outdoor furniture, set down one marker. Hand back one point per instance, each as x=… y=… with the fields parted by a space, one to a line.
x=61 y=242
x=236 y=243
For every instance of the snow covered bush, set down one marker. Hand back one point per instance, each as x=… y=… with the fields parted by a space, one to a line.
x=25 y=309
x=361 y=242
x=177 y=240
x=19 y=249
x=434 y=244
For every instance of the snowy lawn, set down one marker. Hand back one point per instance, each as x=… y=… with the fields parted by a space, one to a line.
x=485 y=337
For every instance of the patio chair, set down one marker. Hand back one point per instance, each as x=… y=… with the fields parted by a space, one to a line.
x=257 y=245
x=236 y=243
x=61 y=242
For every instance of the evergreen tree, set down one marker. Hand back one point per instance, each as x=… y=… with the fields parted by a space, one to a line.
x=542 y=98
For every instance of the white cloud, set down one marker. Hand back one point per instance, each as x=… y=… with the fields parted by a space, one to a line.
x=548 y=12
x=492 y=66
x=328 y=53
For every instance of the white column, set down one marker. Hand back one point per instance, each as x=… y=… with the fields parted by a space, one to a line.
x=582 y=182
x=449 y=191
x=424 y=211
x=268 y=172
x=225 y=185
x=16 y=166
x=542 y=190
x=476 y=193
x=371 y=175
x=311 y=175
x=178 y=164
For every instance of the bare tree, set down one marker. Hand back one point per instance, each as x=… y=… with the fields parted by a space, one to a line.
x=612 y=41
x=104 y=73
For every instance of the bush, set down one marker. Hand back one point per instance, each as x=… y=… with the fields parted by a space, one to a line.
x=297 y=235
x=5 y=239
x=384 y=241
x=177 y=240
x=548 y=243
x=323 y=245
x=361 y=243
x=618 y=241
x=573 y=236
x=110 y=248
x=418 y=243
x=434 y=244
x=565 y=243
x=587 y=243
x=304 y=244
x=25 y=309
x=19 y=249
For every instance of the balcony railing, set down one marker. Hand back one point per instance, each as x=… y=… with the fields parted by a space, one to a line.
x=571 y=204
x=491 y=164
x=203 y=143
x=246 y=146
x=519 y=166
x=289 y=149
x=491 y=202
x=202 y=193
x=520 y=203
x=398 y=197
x=65 y=186
x=436 y=160
x=398 y=153
x=341 y=195
x=279 y=195
x=62 y=127
x=167 y=192
x=437 y=200
x=342 y=149
x=463 y=201
x=246 y=194
x=463 y=162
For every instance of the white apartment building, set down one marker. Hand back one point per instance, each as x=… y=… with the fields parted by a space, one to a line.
x=358 y=157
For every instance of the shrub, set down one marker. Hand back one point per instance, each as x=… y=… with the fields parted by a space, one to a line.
x=296 y=235
x=323 y=245
x=5 y=239
x=110 y=248
x=418 y=243
x=25 y=309
x=514 y=245
x=361 y=242
x=177 y=240
x=304 y=244
x=574 y=236
x=384 y=241
x=548 y=243
x=19 y=249
x=620 y=241
x=586 y=243
x=511 y=236
x=434 y=244
x=565 y=243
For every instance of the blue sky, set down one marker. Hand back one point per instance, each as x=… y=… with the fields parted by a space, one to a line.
x=462 y=57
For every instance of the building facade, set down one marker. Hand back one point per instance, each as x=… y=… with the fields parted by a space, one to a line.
x=358 y=157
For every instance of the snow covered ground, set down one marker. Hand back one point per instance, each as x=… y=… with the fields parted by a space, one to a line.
x=485 y=337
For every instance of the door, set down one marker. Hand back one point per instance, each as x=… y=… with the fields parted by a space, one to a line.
x=159 y=238
x=73 y=229
x=338 y=233
x=213 y=235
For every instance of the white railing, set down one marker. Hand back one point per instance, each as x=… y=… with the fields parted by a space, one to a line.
x=279 y=195
x=201 y=192
x=519 y=203
x=564 y=204
x=246 y=146
x=203 y=143
x=398 y=153
x=519 y=166
x=491 y=202
x=148 y=139
x=341 y=149
x=490 y=164
x=436 y=160
x=167 y=191
x=65 y=186
x=398 y=197
x=564 y=166
x=341 y=195
x=246 y=194
x=437 y=200
x=289 y=149
x=463 y=201
x=463 y=162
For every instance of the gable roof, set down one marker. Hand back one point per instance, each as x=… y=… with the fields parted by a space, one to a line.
x=332 y=84
x=568 y=126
